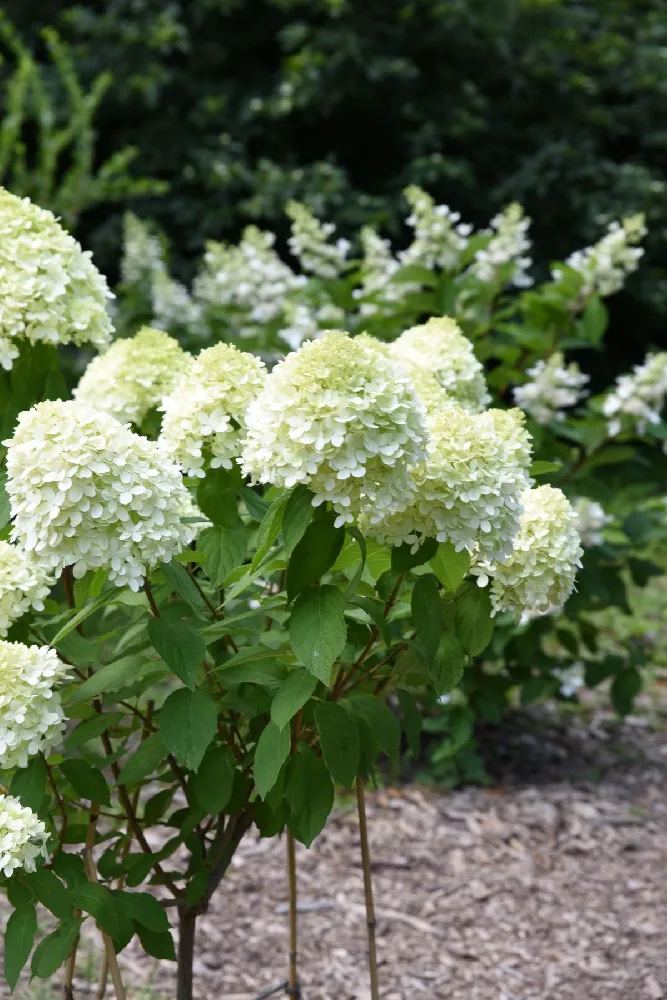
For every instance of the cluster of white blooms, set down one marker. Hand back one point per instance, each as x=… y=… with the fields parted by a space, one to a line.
x=467 y=491
x=306 y=322
x=143 y=254
x=553 y=386
x=309 y=242
x=377 y=269
x=570 y=679
x=204 y=417
x=51 y=290
x=343 y=419
x=249 y=277
x=172 y=304
x=31 y=716
x=440 y=236
x=24 y=583
x=592 y=521
x=23 y=836
x=133 y=376
x=509 y=243
x=605 y=266
x=439 y=347
x=538 y=575
x=87 y=492
x=638 y=399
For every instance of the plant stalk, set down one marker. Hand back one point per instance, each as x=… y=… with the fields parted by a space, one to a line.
x=293 y=988
x=187 y=926
x=368 y=890
x=109 y=950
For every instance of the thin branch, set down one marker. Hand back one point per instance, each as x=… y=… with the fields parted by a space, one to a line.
x=109 y=949
x=155 y=611
x=209 y=604
x=368 y=890
x=293 y=988
x=59 y=800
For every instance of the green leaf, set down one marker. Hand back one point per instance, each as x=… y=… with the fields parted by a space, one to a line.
x=412 y=720
x=624 y=689
x=427 y=614
x=309 y=794
x=263 y=669
x=158 y=945
x=91 y=728
x=339 y=740
x=19 y=937
x=80 y=617
x=255 y=504
x=52 y=951
x=542 y=468
x=49 y=891
x=5 y=508
x=223 y=550
x=382 y=723
x=351 y=588
x=29 y=783
x=145 y=759
x=111 y=677
x=183 y=585
x=317 y=629
x=315 y=553
x=188 y=723
x=213 y=782
x=269 y=529
x=474 y=624
x=375 y=611
x=86 y=781
x=292 y=695
x=404 y=559
x=101 y=904
x=272 y=751
x=297 y=516
x=216 y=497
x=446 y=667
x=594 y=320
x=145 y=909
x=180 y=646
x=450 y=566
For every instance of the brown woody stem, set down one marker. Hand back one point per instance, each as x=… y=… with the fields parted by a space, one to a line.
x=368 y=890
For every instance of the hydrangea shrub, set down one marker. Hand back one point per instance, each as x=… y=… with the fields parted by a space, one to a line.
x=256 y=600
x=460 y=310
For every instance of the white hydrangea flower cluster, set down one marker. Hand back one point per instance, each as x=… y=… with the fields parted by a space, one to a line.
x=592 y=520
x=605 y=266
x=378 y=268
x=87 y=492
x=309 y=242
x=172 y=304
x=306 y=322
x=341 y=418
x=31 y=716
x=23 y=837
x=509 y=243
x=552 y=387
x=439 y=347
x=250 y=277
x=538 y=575
x=570 y=679
x=468 y=489
x=440 y=236
x=24 y=583
x=639 y=398
x=51 y=290
x=204 y=417
x=143 y=254
x=133 y=376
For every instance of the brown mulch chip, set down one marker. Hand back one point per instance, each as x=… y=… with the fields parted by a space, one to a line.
x=551 y=885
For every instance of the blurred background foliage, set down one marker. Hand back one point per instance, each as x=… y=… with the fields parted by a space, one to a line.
x=231 y=107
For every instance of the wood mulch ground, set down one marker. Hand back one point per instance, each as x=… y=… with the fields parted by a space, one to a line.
x=551 y=884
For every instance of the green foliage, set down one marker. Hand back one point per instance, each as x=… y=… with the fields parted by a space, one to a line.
x=48 y=132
